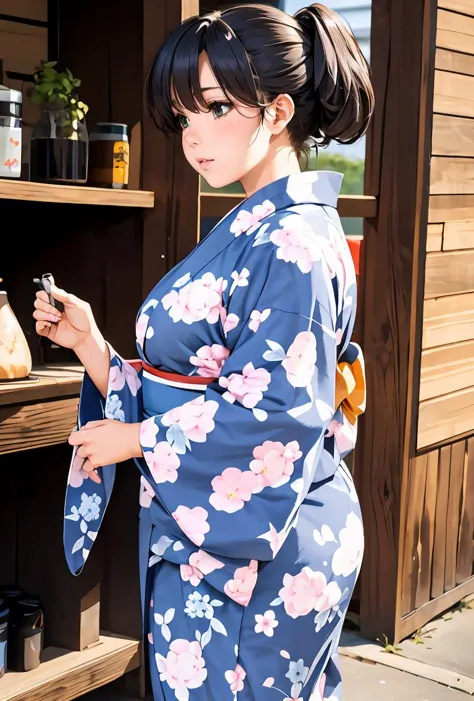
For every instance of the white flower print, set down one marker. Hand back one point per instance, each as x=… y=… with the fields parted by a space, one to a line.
x=228 y=321
x=298 y=243
x=235 y=678
x=266 y=623
x=146 y=493
x=300 y=361
x=200 y=606
x=113 y=408
x=248 y=222
x=257 y=318
x=246 y=388
x=198 y=300
x=90 y=507
x=348 y=556
x=148 y=433
x=297 y=672
x=126 y=374
x=240 y=279
x=141 y=327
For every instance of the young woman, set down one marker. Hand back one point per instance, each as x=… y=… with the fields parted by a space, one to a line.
x=245 y=397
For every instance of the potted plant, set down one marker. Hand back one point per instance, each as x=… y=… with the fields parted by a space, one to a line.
x=60 y=141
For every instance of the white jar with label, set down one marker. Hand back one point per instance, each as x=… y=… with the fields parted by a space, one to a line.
x=10 y=132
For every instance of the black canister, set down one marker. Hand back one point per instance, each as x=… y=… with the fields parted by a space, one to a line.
x=25 y=635
x=109 y=155
x=4 y=613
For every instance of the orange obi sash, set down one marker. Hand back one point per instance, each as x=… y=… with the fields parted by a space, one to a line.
x=350 y=383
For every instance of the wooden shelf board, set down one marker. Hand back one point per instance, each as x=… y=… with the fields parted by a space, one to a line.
x=65 y=675
x=218 y=204
x=74 y=194
x=55 y=381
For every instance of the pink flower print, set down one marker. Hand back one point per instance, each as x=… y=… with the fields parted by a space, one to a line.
x=247 y=222
x=200 y=565
x=127 y=374
x=76 y=474
x=338 y=338
x=266 y=623
x=198 y=300
x=273 y=538
x=348 y=556
x=236 y=678
x=318 y=693
x=141 y=327
x=147 y=493
x=344 y=433
x=228 y=321
x=150 y=638
x=195 y=418
x=308 y=591
x=183 y=668
x=163 y=462
x=300 y=359
x=257 y=318
x=210 y=359
x=246 y=388
x=239 y=279
x=297 y=242
x=240 y=588
x=193 y=522
x=273 y=464
x=231 y=489
x=148 y=433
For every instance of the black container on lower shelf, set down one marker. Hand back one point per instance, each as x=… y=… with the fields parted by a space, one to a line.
x=25 y=629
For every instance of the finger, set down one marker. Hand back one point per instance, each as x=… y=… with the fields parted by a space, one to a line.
x=76 y=438
x=94 y=424
x=46 y=307
x=82 y=452
x=62 y=295
x=91 y=471
x=42 y=295
x=40 y=315
x=43 y=327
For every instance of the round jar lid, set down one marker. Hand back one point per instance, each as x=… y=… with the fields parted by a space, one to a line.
x=110 y=128
x=10 y=95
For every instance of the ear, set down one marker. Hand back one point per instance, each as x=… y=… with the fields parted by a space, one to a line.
x=279 y=113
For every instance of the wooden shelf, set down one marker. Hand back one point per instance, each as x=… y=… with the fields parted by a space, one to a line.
x=74 y=194
x=217 y=204
x=55 y=381
x=67 y=675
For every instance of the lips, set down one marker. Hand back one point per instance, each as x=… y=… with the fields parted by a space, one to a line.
x=203 y=161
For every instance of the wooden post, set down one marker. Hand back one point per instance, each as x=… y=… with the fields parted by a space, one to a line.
x=397 y=172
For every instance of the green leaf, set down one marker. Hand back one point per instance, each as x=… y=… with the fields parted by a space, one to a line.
x=70 y=75
x=50 y=64
x=76 y=82
x=37 y=99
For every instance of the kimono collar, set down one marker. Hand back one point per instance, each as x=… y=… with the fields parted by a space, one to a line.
x=309 y=187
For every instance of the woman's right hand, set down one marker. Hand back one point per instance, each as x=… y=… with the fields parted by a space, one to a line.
x=68 y=328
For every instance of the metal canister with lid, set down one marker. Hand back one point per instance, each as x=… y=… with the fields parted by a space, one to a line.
x=10 y=132
x=108 y=155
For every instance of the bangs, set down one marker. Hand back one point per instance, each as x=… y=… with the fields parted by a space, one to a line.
x=173 y=80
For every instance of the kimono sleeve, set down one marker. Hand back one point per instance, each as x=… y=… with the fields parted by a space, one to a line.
x=234 y=465
x=86 y=501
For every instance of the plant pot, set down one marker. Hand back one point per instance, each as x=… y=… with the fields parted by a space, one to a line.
x=15 y=355
x=59 y=153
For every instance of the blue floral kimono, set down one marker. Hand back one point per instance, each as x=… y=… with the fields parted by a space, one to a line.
x=248 y=393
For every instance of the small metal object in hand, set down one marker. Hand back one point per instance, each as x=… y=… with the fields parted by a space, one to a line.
x=45 y=284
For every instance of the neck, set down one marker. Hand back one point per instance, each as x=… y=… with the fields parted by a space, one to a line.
x=280 y=162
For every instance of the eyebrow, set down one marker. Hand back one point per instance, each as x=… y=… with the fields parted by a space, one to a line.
x=215 y=87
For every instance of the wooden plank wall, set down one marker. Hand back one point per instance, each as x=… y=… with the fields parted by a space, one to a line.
x=446 y=398
x=438 y=553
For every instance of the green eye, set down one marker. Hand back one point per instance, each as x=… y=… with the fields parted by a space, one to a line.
x=220 y=109
x=183 y=121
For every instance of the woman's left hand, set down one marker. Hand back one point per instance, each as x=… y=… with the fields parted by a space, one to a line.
x=106 y=442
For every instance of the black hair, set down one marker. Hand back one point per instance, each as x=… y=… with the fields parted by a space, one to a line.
x=257 y=52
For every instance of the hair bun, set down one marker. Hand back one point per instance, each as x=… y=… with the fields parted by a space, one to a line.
x=341 y=76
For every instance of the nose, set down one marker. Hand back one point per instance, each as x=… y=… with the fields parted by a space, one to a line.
x=192 y=137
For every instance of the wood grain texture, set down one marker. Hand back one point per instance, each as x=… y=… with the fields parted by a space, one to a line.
x=454 y=93
x=448 y=320
x=455 y=31
x=464 y=6
x=70 y=194
x=466 y=529
x=449 y=273
x=458 y=235
x=218 y=205
x=452 y=136
x=439 y=546
x=454 y=62
x=446 y=369
x=423 y=592
x=452 y=176
x=65 y=675
x=456 y=474
x=445 y=417
x=398 y=153
x=29 y=9
x=55 y=381
x=411 y=549
x=434 y=237
x=36 y=425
